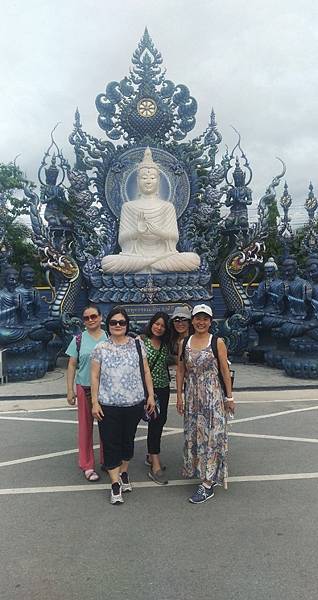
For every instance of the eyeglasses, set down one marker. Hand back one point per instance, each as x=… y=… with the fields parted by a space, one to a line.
x=180 y=320
x=87 y=318
x=121 y=323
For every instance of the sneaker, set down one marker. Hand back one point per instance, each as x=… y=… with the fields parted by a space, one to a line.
x=148 y=463
x=115 y=494
x=202 y=494
x=125 y=482
x=158 y=477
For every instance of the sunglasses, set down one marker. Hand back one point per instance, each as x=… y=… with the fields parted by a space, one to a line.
x=121 y=323
x=87 y=318
x=180 y=320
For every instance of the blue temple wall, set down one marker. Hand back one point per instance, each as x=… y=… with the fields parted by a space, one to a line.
x=218 y=302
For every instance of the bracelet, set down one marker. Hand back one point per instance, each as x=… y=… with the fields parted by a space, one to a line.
x=229 y=399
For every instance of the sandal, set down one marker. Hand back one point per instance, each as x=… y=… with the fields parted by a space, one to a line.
x=91 y=475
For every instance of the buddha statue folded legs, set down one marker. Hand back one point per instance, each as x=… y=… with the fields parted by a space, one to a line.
x=148 y=231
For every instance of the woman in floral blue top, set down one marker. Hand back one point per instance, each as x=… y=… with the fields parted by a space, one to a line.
x=156 y=343
x=118 y=398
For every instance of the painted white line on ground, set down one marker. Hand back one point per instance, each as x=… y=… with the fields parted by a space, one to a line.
x=278 y=477
x=276 y=414
x=70 y=421
x=275 y=437
x=22 y=411
x=276 y=400
x=19 y=411
x=152 y=485
x=28 y=459
x=35 y=420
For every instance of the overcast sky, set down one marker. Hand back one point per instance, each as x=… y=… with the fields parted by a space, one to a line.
x=255 y=62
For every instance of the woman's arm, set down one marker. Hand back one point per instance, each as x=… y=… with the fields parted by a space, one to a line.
x=180 y=373
x=225 y=371
x=95 y=374
x=151 y=405
x=70 y=378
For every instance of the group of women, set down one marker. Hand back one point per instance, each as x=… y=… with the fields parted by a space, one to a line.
x=121 y=379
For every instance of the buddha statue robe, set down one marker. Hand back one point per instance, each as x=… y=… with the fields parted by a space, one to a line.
x=148 y=231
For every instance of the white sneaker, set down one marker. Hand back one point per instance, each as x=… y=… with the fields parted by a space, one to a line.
x=125 y=483
x=115 y=494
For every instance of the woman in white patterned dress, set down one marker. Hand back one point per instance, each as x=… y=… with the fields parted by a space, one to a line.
x=205 y=406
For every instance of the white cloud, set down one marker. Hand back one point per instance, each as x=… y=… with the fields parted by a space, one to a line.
x=255 y=62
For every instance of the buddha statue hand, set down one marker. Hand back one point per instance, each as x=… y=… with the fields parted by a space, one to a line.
x=142 y=224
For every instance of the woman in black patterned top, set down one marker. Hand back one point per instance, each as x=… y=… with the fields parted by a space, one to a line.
x=156 y=342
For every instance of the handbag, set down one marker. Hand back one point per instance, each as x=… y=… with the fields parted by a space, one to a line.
x=146 y=416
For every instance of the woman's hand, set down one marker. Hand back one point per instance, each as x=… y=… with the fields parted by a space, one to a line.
x=71 y=398
x=97 y=411
x=180 y=405
x=151 y=404
x=229 y=406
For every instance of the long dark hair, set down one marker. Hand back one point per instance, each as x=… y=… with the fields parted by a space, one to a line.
x=117 y=310
x=174 y=336
x=165 y=317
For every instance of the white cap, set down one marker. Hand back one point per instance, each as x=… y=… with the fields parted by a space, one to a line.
x=202 y=308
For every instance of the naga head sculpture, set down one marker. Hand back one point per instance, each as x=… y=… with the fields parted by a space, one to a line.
x=241 y=258
x=64 y=264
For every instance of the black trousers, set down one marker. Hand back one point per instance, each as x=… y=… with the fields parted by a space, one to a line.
x=155 y=426
x=117 y=431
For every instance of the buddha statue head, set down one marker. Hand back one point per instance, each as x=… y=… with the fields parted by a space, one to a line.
x=289 y=268
x=238 y=174
x=312 y=268
x=270 y=268
x=11 y=279
x=148 y=177
x=27 y=275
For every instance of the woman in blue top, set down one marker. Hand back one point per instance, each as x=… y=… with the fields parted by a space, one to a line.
x=79 y=351
x=118 y=398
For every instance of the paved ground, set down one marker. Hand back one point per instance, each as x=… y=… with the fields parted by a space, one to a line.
x=247 y=377
x=62 y=540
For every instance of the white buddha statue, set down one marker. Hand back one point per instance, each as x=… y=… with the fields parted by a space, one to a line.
x=148 y=231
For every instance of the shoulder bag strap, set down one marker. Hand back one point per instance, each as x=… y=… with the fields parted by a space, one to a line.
x=214 y=346
x=156 y=359
x=141 y=366
x=78 y=341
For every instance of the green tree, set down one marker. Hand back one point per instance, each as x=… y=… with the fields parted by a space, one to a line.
x=273 y=244
x=17 y=235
